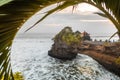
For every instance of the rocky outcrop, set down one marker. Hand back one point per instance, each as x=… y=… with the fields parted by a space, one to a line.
x=68 y=43
x=65 y=45
x=112 y=49
x=108 y=55
x=62 y=51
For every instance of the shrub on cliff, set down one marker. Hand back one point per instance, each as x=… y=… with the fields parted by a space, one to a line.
x=68 y=36
x=117 y=61
x=71 y=39
x=106 y=43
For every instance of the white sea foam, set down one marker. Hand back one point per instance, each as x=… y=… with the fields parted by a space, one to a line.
x=31 y=58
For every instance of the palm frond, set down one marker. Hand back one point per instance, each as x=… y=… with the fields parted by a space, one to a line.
x=58 y=8
x=16 y=12
x=111 y=9
x=3 y=2
x=12 y=17
x=101 y=14
x=113 y=35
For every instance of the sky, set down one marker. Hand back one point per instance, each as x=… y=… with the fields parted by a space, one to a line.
x=82 y=19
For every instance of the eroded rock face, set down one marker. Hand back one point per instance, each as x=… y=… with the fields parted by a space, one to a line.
x=62 y=51
x=65 y=45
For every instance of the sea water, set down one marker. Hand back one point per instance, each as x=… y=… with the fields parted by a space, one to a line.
x=30 y=56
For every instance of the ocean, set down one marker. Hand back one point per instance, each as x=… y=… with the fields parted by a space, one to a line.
x=30 y=56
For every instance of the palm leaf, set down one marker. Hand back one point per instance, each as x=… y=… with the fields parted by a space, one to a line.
x=12 y=17
x=113 y=35
x=14 y=13
x=58 y=8
x=111 y=9
x=3 y=2
x=101 y=14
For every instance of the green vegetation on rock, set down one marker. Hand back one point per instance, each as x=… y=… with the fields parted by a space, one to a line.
x=117 y=61
x=106 y=44
x=68 y=36
x=71 y=38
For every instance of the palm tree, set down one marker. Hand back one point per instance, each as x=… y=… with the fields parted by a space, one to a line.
x=16 y=12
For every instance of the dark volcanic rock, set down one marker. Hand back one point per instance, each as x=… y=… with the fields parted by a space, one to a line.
x=62 y=51
x=65 y=45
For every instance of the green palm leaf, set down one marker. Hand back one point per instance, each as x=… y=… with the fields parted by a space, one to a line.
x=101 y=14
x=113 y=35
x=12 y=17
x=58 y=8
x=14 y=13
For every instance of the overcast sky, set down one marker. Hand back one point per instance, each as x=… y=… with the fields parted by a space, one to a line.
x=82 y=19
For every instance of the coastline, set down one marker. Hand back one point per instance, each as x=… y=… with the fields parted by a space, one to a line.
x=106 y=60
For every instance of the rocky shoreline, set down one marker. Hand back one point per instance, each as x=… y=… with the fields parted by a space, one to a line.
x=107 y=60
x=67 y=44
